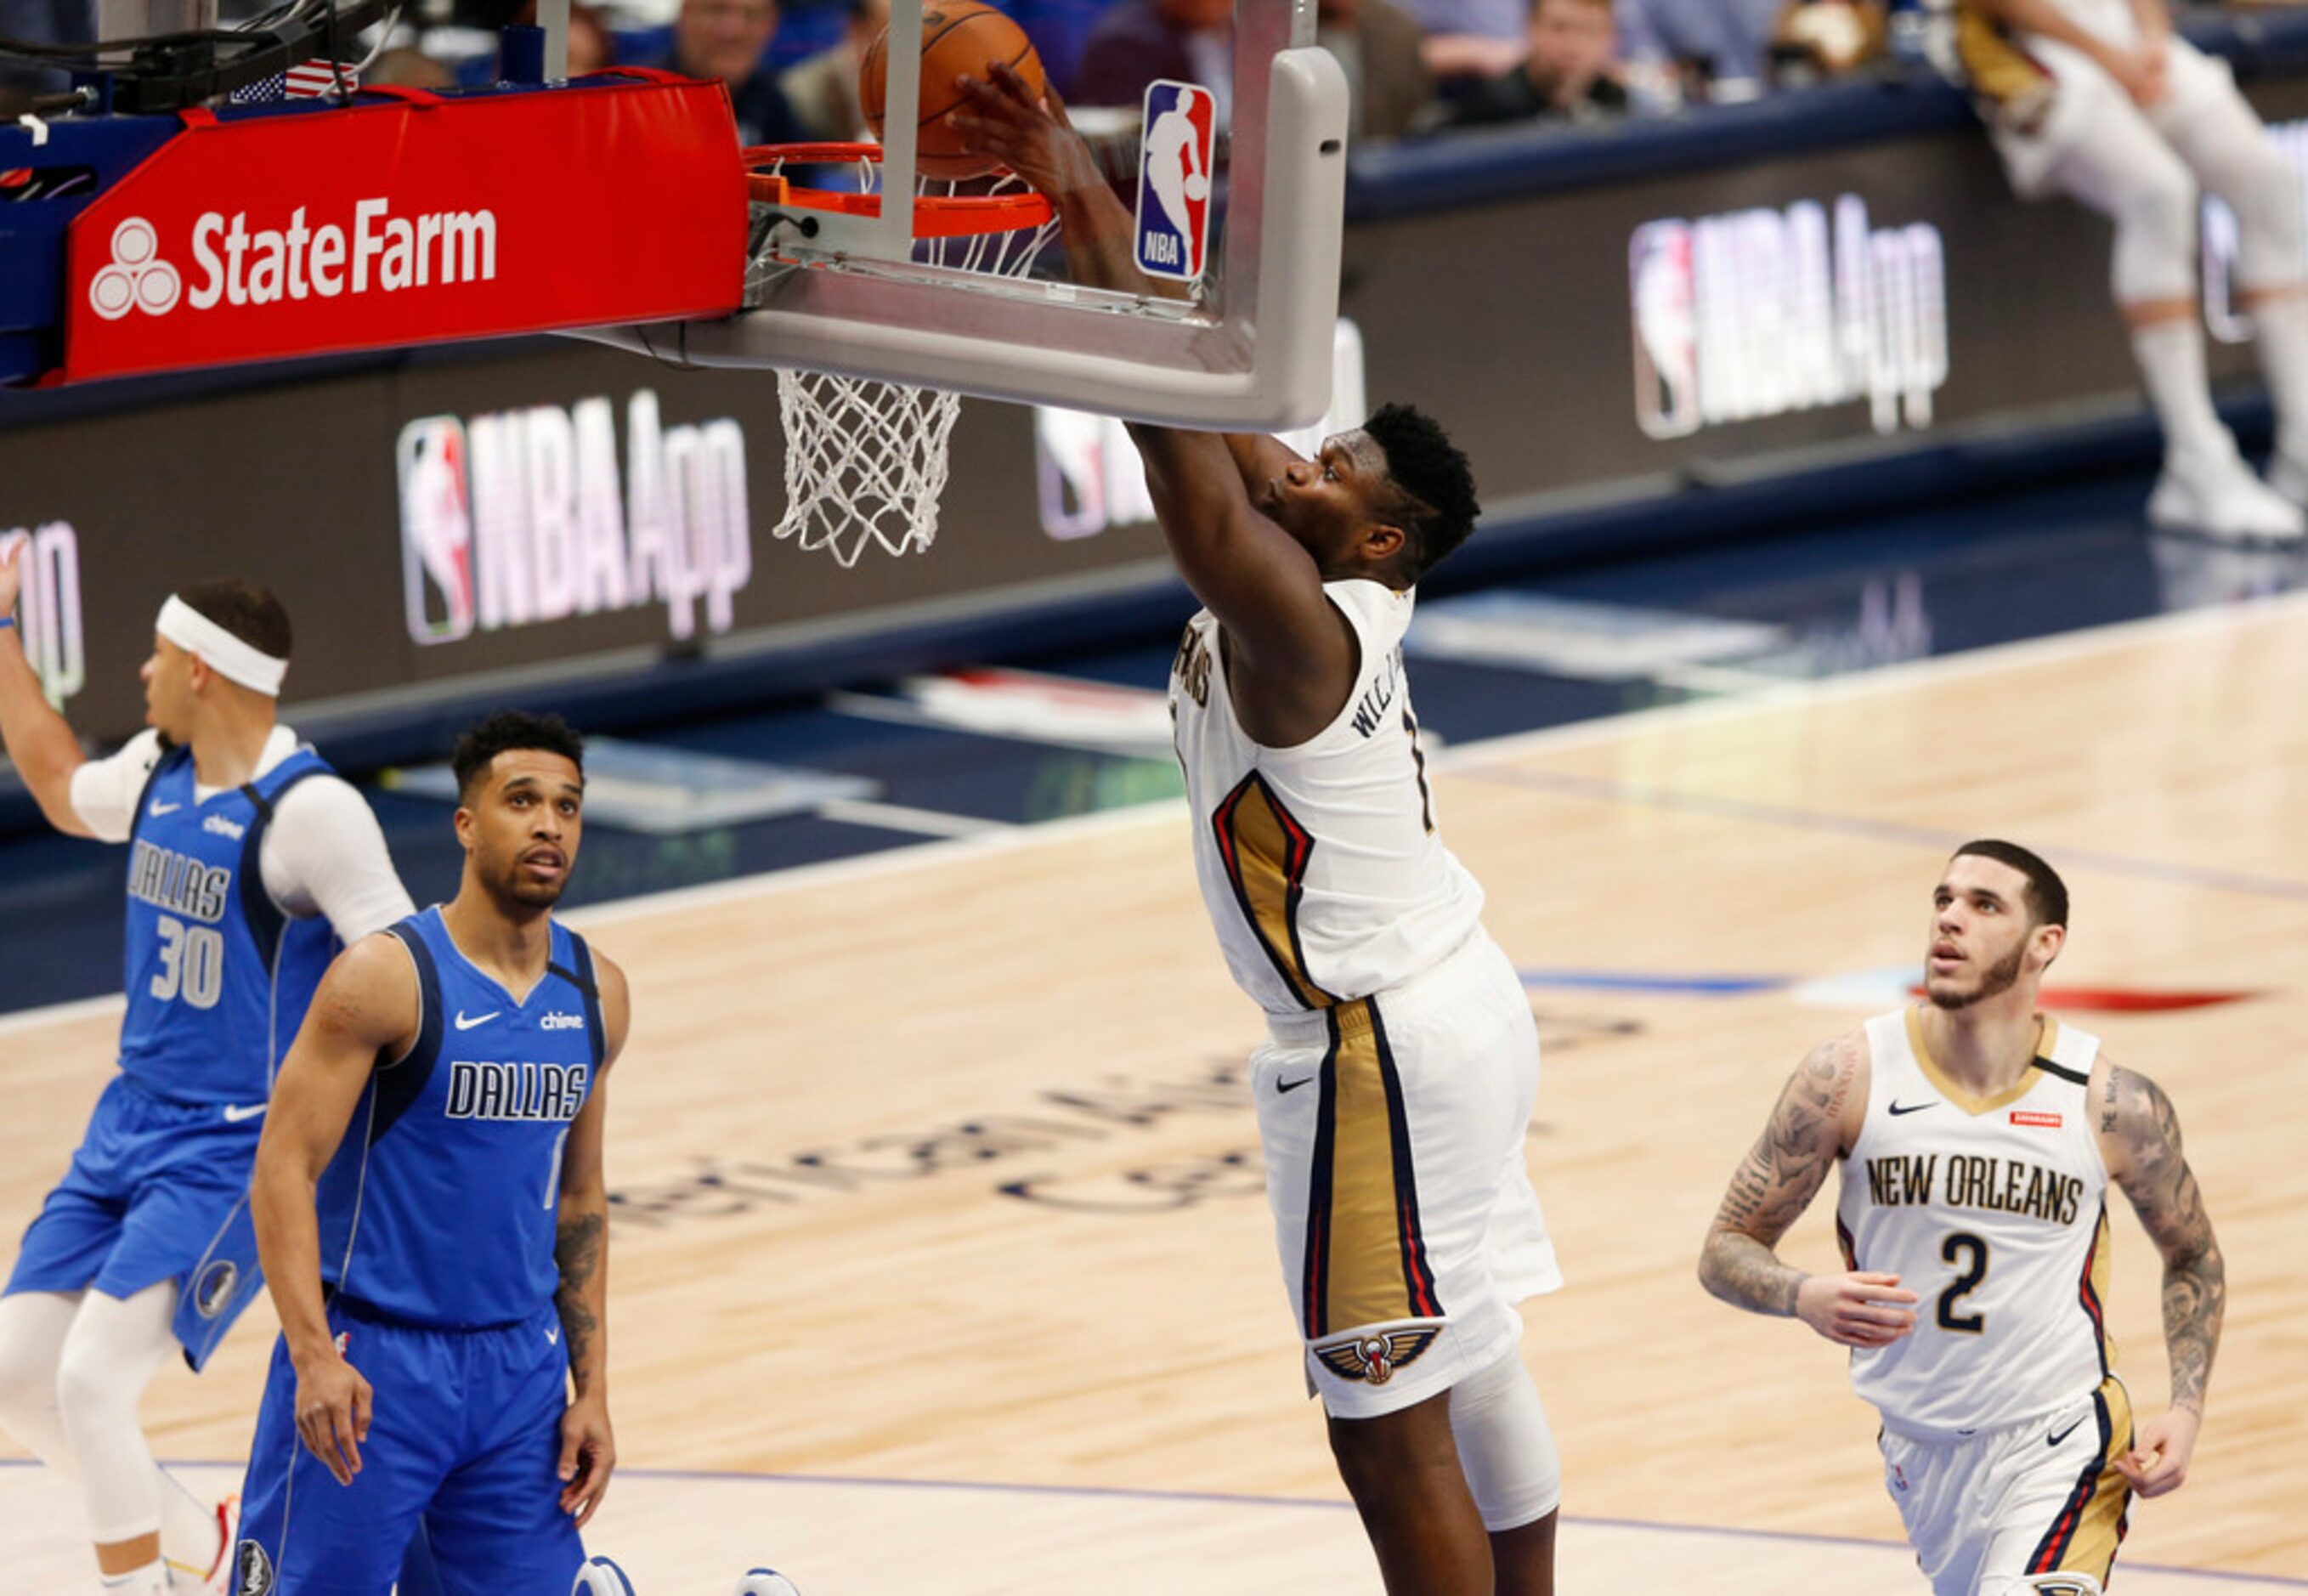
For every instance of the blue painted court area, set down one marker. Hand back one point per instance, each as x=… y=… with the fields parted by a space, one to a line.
x=1576 y=645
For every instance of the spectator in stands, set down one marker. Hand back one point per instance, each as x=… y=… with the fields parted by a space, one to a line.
x=1139 y=40
x=823 y=88
x=2110 y=109
x=1569 y=71
x=1470 y=40
x=1818 y=39
x=1713 y=50
x=728 y=39
x=1377 y=43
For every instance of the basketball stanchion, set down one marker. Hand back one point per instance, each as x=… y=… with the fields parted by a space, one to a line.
x=867 y=460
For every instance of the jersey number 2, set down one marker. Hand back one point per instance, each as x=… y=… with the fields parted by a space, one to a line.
x=191 y=963
x=1964 y=1284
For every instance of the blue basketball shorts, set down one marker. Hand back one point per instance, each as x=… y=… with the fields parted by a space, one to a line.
x=464 y=1439
x=156 y=1192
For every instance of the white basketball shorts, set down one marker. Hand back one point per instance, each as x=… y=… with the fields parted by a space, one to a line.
x=1393 y=1127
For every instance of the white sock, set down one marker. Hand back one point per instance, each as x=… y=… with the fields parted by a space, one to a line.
x=2171 y=356
x=152 y=1580
x=188 y=1531
x=2280 y=328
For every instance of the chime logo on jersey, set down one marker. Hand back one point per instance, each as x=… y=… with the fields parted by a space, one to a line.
x=1179 y=132
x=1375 y=1357
x=47 y=609
x=1765 y=313
x=524 y=517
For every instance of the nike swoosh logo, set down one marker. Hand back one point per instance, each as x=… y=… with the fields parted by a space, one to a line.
x=1292 y=1085
x=553 y=1336
x=158 y=809
x=2056 y=1439
x=1898 y=1108
x=234 y=1113
x=465 y=1024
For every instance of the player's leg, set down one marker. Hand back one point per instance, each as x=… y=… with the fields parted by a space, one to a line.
x=1402 y=1470
x=1935 y=1485
x=2064 y=1508
x=33 y=1329
x=302 y=1534
x=1506 y=1450
x=110 y=1354
x=2211 y=128
x=2113 y=161
x=495 y=1522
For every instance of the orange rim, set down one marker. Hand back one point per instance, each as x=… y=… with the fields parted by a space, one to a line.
x=935 y=216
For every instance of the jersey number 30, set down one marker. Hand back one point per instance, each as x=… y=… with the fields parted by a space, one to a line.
x=191 y=963
x=1963 y=1242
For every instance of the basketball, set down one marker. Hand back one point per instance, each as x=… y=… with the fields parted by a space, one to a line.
x=958 y=36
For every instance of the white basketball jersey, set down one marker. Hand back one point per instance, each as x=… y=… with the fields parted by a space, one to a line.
x=1320 y=864
x=1994 y=1213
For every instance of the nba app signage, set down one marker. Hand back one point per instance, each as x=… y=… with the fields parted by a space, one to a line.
x=1765 y=313
x=1089 y=475
x=533 y=515
x=1173 y=179
x=47 y=609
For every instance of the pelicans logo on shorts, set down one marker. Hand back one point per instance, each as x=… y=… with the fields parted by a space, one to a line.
x=1376 y=1356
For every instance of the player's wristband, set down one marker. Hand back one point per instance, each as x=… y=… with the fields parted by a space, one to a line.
x=7 y=621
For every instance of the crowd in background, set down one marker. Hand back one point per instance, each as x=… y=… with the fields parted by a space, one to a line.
x=1414 y=66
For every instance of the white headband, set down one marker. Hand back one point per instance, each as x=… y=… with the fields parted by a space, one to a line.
x=226 y=655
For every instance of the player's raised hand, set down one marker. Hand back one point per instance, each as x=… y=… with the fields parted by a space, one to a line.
x=2157 y=1462
x=1032 y=136
x=588 y=1452
x=1858 y=1310
x=332 y=1413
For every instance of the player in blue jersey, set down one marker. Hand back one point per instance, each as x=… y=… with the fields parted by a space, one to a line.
x=249 y=860
x=430 y=1207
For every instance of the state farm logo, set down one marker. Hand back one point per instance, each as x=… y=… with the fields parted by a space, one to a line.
x=136 y=280
x=233 y=263
x=1768 y=312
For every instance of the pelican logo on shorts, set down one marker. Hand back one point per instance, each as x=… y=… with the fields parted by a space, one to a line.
x=137 y=279
x=1768 y=312
x=255 y=1570
x=212 y=1291
x=1180 y=130
x=1377 y=1355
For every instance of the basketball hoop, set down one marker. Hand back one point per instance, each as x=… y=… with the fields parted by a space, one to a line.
x=866 y=461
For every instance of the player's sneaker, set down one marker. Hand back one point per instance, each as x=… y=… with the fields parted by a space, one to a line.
x=601 y=1577
x=766 y=1582
x=2287 y=474
x=2221 y=498
x=217 y=1580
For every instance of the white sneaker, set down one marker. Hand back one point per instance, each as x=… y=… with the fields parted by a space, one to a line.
x=2287 y=474
x=601 y=1577
x=217 y=1580
x=2221 y=498
x=766 y=1582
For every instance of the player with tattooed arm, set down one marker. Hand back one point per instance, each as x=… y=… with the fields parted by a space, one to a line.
x=1977 y=1140
x=430 y=1205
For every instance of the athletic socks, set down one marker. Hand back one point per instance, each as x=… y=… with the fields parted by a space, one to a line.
x=2171 y=356
x=189 y=1530
x=2280 y=327
x=152 y=1580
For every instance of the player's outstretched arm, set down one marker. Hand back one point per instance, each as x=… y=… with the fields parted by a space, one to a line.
x=39 y=742
x=1264 y=587
x=366 y=1006
x=580 y=1252
x=2140 y=1140
x=1815 y=1121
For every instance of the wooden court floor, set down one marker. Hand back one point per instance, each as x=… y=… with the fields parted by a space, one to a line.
x=938 y=1172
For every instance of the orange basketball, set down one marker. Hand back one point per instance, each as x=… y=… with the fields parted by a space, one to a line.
x=958 y=36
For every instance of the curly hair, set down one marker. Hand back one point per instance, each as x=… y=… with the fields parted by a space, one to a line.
x=1434 y=485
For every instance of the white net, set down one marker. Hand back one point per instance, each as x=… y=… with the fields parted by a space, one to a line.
x=866 y=461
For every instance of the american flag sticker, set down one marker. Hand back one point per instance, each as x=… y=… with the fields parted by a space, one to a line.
x=307 y=80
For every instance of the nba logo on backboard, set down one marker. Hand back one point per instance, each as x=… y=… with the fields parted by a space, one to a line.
x=1663 y=287
x=1173 y=179
x=436 y=529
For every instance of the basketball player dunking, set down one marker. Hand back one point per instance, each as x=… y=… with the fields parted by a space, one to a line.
x=1402 y=1065
x=249 y=860
x=1977 y=1141
x=443 y=1112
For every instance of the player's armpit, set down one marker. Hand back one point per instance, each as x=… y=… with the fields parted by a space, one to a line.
x=2140 y=1140
x=1779 y=1178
